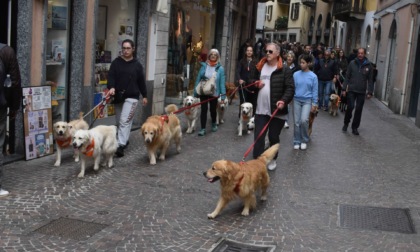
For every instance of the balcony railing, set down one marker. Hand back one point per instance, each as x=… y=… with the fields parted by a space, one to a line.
x=310 y=3
x=346 y=10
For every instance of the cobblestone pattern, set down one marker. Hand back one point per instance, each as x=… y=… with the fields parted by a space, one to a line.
x=164 y=207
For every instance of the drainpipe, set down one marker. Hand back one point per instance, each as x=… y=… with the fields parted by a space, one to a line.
x=403 y=94
x=9 y=23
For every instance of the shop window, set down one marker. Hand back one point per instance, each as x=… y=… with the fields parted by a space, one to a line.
x=57 y=45
x=191 y=36
x=115 y=22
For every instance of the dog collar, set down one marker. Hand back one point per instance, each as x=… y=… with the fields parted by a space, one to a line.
x=245 y=117
x=89 y=149
x=64 y=143
x=237 y=187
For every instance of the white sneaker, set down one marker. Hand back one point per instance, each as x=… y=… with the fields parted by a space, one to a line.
x=303 y=146
x=296 y=146
x=272 y=165
x=3 y=192
x=286 y=125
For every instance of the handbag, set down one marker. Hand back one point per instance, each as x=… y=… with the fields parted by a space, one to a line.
x=119 y=96
x=206 y=86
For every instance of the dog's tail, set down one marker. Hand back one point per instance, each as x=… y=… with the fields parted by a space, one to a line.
x=269 y=154
x=171 y=108
x=81 y=115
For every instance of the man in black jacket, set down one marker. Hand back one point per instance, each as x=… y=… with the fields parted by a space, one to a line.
x=276 y=90
x=327 y=71
x=359 y=77
x=11 y=97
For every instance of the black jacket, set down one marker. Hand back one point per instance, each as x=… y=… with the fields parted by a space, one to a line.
x=359 y=77
x=128 y=76
x=282 y=86
x=326 y=69
x=13 y=94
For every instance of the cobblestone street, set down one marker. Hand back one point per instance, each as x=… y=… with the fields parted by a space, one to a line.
x=164 y=207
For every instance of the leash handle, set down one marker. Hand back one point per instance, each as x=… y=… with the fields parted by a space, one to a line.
x=104 y=101
x=261 y=133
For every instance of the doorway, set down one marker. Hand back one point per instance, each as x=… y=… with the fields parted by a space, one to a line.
x=415 y=89
x=391 y=55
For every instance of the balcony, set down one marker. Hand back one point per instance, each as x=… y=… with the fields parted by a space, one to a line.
x=283 y=2
x=349 y=10
x=310 y=3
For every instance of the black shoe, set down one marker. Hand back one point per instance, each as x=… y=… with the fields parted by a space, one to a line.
x=128 y=142
x=344 y=129
x=355 y=132
x=120 y=151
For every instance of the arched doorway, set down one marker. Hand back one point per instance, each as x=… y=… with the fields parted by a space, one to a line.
x=318 y=29
x=378 y=41
x=311 y=29
x=391 y=54
x=415 y=89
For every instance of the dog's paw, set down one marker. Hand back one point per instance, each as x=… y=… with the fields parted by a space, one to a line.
x=222 y=121
x=189 y=131
x=178 y=149
x=76 y=160
x=161 y=157
x=211 y=216
x=81 y=175
x=249 y=132
x=96 y=168
x=245 y=212
x=57 y=164
x=264 y=198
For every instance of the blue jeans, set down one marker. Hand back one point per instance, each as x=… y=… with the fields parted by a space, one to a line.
x=301 y=110
x=324 y=91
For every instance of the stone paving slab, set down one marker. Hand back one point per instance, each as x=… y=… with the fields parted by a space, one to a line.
x=164 y=207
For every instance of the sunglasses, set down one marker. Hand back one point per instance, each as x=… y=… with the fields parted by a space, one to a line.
x=269 y=51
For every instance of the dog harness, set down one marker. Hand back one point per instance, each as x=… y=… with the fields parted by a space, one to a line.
x=64 y=143
x=236 y=190
x=245 y=117
x=164 y=118
x=89 y=149
x=188 y=112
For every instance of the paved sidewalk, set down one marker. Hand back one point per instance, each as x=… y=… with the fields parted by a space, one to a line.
x=164 y=207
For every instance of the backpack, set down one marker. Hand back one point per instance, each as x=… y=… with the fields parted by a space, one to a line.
x=3 y=101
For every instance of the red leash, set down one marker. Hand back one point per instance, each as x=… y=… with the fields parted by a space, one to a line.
x=196 y=104
x=261 y=133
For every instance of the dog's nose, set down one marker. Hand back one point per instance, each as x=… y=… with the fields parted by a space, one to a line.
x=147 y=140
x=75 y=145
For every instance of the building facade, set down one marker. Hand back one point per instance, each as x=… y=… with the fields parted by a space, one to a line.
x=69 y=44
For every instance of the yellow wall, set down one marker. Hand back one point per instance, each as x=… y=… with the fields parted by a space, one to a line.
x=371 y=5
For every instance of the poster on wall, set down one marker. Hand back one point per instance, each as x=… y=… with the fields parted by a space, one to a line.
x=37 y=120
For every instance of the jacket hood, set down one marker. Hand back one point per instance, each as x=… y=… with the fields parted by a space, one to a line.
x=264 y=60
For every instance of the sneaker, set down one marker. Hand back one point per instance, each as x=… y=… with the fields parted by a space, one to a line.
x=296 y=146
x=3 y=192
x=286 y=125
x=272 y=165
x=128 y=142
x=355 y=132
x=303 y=146
x=214 y=127
x=344 y=129
x=120 y=151
x=202 y=132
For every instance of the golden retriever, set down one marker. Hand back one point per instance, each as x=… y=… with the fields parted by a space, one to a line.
x=334 y=104
x=159 y=131
x=246 y=114
x=63 y=134
x=192 y=113
x=94 y=143
x=221 y=109
x=242 y=180
x=312 y=116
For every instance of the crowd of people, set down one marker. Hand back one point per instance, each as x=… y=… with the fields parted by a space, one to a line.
x=305 y=74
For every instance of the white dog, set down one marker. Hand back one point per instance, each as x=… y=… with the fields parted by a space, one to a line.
x=222 y=106
x=63 y=135
x=93 y=143
x=193 y=113
x=251 y=124
x=246 y=114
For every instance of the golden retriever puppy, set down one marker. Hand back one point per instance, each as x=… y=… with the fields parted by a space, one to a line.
x=246 y=114
x=241 y=180
x=334 y=104
x=96 y=143
x=222 y=106
x=63 y=135
x=192 y=113
x=159 y=131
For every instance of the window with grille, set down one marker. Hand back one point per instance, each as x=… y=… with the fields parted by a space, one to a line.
x=294 y=15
